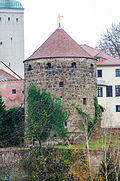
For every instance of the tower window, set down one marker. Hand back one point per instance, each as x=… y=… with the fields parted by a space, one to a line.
x=11 y=38
x=8 y=18
x=16 y=19
x=29 y=68
x=60 y=84
x=91 y=68
x=0 y=19
x=84 y=101
x=73 y=65
x=65 y=123
x=13 y=91
x=1 y=43
x=49 y=65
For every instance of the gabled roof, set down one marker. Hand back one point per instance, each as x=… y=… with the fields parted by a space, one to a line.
x=7 y=69
x=103 y=59
x=5 y=76
x=59 y=45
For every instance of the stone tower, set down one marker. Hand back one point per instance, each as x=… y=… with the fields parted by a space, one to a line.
x=66 y=70
x=12 y=35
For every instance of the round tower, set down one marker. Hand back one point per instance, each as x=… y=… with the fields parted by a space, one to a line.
x=12 y=35
x=66 y=70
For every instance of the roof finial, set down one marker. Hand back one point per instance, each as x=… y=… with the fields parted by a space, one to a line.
x=59 y=20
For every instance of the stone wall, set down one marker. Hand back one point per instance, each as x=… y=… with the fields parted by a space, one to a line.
x=73 y=80
x=12 y=155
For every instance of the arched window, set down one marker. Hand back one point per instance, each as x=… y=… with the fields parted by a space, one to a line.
x=49 y=65
x=29 y=68
x=73 y=65
x=91 y=68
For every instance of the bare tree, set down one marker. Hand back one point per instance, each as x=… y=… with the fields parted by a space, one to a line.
x=110 y=41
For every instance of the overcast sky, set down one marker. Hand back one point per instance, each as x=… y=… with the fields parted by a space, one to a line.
x=83 y=20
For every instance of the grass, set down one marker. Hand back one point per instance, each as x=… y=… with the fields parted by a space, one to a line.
x=100 y=143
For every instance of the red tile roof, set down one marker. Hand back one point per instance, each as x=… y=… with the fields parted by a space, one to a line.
x=5 y=76
x=103 y=59
x=59 y=44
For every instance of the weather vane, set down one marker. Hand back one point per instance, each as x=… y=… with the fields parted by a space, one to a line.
x=59 y=20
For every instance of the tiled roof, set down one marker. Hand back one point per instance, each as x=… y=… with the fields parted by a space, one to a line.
x=59 y=44
x=4 y=76
x=103 y=59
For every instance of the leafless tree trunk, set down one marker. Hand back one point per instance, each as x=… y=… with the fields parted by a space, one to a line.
x=110 y=41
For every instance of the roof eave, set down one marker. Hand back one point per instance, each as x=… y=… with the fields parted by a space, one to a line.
x=58 y=57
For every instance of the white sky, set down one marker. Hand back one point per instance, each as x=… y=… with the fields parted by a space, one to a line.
x=83 y=20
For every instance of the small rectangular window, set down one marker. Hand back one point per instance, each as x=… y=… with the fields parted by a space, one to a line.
x=13 y=91
x=8 y=18
x=99 y=73
x=84 y=101
x=117 y=90
x=117 y=108
x=65 y=123
x=0 y=19
x=16 y=19
x=100 y=91
x=117 y=72
x=108 y=91
x=60 y=84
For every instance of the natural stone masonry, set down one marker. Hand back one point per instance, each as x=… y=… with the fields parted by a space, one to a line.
x=73 y=80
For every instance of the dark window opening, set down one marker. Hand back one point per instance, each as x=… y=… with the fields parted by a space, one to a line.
x=109 y=91
x=117 y=108
x=29 y=68
x=91 y=68
x=9 y=64
x=11 y=38
x=99 y=73
x=22 y=91
x=1 y=43
x=13 y=91
x=61 y=97
x=117 y=72
x=0 y=19
x=8 y=18
x=49 y=65
x=65 y=123
x=100 y=91
x=117 y=90
x=16 y=19
x=60 y=84
x=84 y=101
x=73 y=65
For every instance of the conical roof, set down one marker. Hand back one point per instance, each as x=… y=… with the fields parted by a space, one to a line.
x=59 y=45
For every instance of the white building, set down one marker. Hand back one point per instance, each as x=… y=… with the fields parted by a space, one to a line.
x=12 y=35
x=108 y=80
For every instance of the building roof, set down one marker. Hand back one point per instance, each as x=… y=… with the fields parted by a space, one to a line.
x=10 y=4
x=5 y=76
x=60 y=45
x=103 y=59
